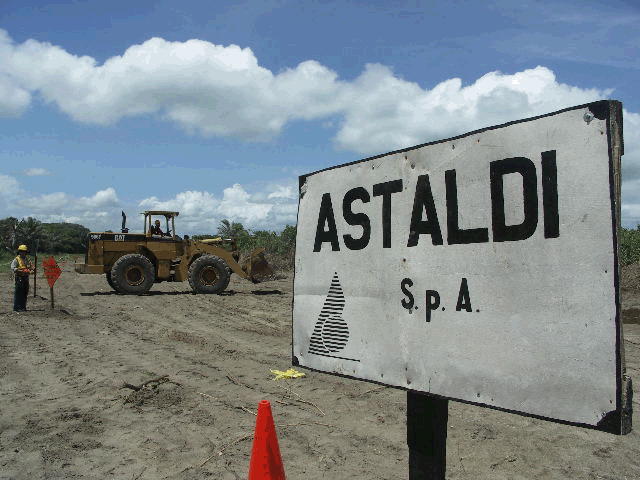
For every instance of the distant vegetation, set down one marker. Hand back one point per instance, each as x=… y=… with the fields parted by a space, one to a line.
x=629 y=245
x=281 y=245
x=50 y=238
x=276 y=243
x=60 y=238
x=47 y=237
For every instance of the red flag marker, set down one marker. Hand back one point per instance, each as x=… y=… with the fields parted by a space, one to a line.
x=52 y=272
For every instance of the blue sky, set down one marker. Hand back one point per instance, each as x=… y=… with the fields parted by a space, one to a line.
x=215 y=108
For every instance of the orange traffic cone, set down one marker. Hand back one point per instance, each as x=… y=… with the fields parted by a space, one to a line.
x=266 y=463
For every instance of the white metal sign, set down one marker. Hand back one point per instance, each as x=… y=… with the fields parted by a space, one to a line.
x=481 y=268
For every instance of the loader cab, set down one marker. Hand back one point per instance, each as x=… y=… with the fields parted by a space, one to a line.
x=167 y=224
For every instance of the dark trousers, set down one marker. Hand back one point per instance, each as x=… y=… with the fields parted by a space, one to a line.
x=20 y=293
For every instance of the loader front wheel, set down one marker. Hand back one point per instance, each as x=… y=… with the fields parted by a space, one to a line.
x=132 y=274
x=208 y=274
x=109 y=281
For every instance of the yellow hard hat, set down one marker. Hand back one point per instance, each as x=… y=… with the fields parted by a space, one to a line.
x=23 y=248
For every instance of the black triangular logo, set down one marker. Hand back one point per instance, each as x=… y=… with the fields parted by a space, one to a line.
x=331 y=332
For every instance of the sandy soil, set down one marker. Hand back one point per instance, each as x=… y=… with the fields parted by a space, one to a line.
x=68 y=409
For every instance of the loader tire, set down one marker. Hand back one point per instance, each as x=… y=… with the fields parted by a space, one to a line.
x=132 y=274
x=109 y=281
x=209 y=274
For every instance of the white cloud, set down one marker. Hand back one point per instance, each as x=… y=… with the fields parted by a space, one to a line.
x=51 y=202
x=631 y=134
x=392 y=113
x=631 y=170
x=283 y=193
x=60 y=218
x=201 y=212
x=10 y=189
x=237 y=203
x=35 y=172
x=9 y=186
x=101 y=199
x=96 y=211
x=189 y=203
x=13 y=99
x=222 y=90
x=203 y=87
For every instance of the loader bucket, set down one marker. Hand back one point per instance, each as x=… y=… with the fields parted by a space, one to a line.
x=256 y=266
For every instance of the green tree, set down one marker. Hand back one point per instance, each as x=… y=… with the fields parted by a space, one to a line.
x=288 y=236
x=227 y=229
x=29 y=232
x=65 y=237
x=8 y=240
x=629 y=245
x=50 y=237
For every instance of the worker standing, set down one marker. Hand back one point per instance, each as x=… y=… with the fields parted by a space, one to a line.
x=21 y=268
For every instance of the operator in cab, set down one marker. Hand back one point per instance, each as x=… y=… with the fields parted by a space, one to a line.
x=156 y=230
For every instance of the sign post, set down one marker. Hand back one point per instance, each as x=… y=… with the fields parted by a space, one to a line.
x=482 y=268
x=427 y=418
x=51 y=272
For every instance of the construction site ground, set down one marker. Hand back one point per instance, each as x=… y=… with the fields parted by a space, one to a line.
x=166 y=385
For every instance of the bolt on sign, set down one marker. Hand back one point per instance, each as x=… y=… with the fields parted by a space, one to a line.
x=482 y=268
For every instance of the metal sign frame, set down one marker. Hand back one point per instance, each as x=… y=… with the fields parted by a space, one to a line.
x=481 y=268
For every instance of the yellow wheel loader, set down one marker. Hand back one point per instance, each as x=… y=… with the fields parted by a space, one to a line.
x=133 y=262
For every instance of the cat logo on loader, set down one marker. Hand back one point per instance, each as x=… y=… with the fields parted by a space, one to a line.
x=133 y=262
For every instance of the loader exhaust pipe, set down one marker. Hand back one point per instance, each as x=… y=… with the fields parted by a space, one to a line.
x=124 y=222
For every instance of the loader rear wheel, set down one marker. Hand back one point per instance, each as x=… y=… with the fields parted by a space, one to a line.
x=132 y=274
x=209 y=274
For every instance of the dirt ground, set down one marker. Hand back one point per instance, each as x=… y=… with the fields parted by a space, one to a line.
x=69 y=407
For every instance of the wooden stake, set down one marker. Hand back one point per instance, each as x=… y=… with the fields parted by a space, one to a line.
x=427 y=418
x=51 y=290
